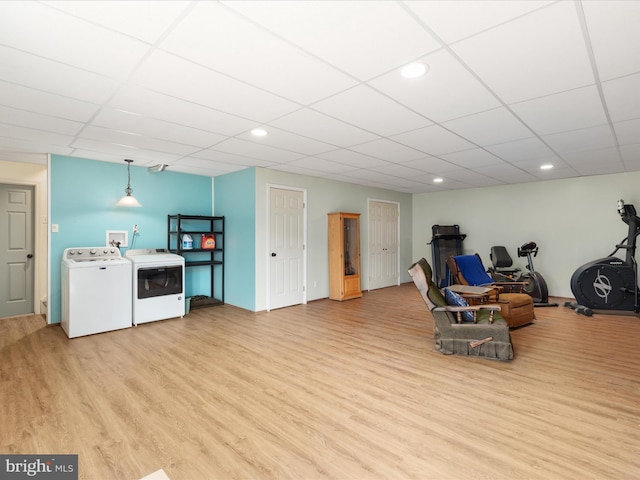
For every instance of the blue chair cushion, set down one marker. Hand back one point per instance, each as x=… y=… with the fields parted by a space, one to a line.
x=455 y=300
x=472 y=270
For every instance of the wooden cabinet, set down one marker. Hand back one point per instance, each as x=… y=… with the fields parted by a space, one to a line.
x=344 y=256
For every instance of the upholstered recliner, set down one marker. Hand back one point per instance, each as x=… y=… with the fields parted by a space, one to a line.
x=517 y=308
x=488 y=335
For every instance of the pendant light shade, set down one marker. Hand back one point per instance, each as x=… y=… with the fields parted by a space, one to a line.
x=128 y=200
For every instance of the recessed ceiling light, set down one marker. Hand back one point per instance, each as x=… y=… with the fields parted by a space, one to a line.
x=258 y=132
x=414 y=70
x=438 y=180
x=546 y=166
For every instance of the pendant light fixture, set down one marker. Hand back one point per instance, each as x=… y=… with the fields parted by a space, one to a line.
x=128 y=200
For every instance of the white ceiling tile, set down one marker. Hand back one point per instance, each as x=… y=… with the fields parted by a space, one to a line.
x=113 y=150
x=352 y=158
x=633 y=165
x=256 y=151
x=583 y=139
x=368 y=174
x=533 y=166
x=604 y=157
x=170 y=109
x=255 y=56
x=356 y=182
x=556 y=173
x=180 y=78
x=39 y=136
x=397 y=170
x=257 y=64
x=487 y=128
x=40 y=122
x=518 y=62
x=433 y=140
x=599 y=168
x=288 y=141
x=285 y=167
x=361 y=106
x=53 y=77
x=143 y=19
x=104 y=156
x=445 y=92
x=401 y=184
x=561 y=112
x=613 y=30
x=142 y=142
x=630 y=154
x=30 y=145
x=320 y=165
x=474 y=158
x=31 y=100
x=210 y=164
x=313 y=124
x=431 y=165
x=453 y=20
x=628 y=132
x=508 y=173
x=362 y=38
x=470 y=177
x=453 y=185
x=478 y=180
x=389 y=150
x=228 y=158
x=37 y=158
x=520 y=150
x=46 y=32
x=203 y=172
x=152 y=128
x=623 y=100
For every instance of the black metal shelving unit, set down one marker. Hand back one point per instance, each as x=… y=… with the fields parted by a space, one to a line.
x=196 y=226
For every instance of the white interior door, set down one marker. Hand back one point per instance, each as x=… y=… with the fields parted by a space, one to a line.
x=383 y=244
x=16 y=250
x=286 y=247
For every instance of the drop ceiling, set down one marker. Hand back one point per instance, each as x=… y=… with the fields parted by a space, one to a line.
x=510 y=86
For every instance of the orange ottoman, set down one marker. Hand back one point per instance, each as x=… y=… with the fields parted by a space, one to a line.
x=516 y=308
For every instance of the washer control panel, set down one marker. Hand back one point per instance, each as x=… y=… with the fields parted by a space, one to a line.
x=97 y=253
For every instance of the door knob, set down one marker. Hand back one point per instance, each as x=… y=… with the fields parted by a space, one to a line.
x=273 y=254
x=30 y=255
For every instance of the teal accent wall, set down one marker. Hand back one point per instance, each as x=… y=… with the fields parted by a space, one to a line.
x=235 y=199
x=82 y=201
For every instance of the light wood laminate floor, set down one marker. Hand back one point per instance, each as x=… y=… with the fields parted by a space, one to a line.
x=328 y=390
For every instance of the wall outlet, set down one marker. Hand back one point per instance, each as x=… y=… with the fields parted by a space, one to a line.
x=136 y=230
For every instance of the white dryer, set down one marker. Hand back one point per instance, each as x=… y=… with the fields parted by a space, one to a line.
x=96 y=291
x=158 y=284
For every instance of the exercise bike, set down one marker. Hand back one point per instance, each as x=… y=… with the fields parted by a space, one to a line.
x=534 y=283
x=610 y=284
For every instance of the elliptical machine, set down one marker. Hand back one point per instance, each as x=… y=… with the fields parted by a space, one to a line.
x=609 y=283
x=534 y=283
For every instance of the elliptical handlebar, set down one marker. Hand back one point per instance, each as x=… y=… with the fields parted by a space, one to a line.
x=630 y=217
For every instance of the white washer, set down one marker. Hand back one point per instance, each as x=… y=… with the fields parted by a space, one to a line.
x=96 y=291
x=158 y=284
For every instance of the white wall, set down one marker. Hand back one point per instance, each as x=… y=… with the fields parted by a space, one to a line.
x=16 y=173
x=325 y=196
x=573 y=221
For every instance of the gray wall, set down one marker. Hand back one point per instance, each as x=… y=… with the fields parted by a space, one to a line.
x=573 y=221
